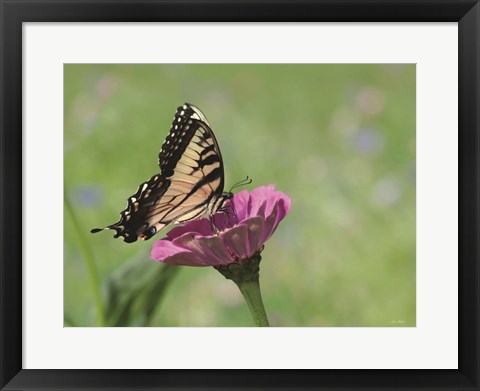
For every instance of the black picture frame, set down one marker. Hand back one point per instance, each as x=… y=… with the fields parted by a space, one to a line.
x=15 y=12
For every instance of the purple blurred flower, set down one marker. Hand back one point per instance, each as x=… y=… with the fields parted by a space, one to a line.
x=368 y=142
x=258 y=214
x=88 y=195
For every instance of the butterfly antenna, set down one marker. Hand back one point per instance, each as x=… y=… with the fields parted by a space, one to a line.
x=243 y=182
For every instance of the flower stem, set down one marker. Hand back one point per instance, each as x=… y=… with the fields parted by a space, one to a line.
x=251 y=292
x=89 y=262
x=246 y=275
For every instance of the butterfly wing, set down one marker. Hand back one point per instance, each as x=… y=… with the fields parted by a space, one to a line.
x=191 y=180
x=190 y=158
x=133 y=219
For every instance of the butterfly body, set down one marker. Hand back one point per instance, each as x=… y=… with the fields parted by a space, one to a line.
x=189 y=185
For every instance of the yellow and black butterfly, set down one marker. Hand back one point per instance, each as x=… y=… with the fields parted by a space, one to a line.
x=189 y=185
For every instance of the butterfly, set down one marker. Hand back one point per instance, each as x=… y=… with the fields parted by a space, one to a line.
x=189 y=185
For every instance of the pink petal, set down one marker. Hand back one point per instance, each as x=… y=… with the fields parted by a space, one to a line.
x=210 y=249
x=283 y=207
x=240 y=202
x=270 y=226
x=254 y=204
x=190 y=243
x=278 y=214
x=166 y=252
x=163 y=248
x=183 y=259
x=271 y=203
x=262 y=200
x=263 y=192
x=255 y=232
x=236 y=240
x=201 y=226
x=214 y=247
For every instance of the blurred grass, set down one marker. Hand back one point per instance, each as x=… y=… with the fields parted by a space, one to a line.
x=338 y=139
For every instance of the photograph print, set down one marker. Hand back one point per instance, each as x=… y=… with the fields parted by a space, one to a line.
x=239 y=195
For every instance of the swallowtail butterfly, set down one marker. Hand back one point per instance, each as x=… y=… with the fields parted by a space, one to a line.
x=189 y=185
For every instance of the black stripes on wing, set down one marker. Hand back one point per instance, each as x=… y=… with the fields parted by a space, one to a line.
x=133 y=219
x=184 y=126
x=189 y=185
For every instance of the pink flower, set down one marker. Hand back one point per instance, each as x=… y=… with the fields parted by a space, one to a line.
x=258 y=214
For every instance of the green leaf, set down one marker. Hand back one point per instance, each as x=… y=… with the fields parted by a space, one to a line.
x=136 y=291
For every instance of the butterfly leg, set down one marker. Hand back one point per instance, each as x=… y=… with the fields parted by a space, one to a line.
x=228 y=219
x=230 y=215
x=215 y=230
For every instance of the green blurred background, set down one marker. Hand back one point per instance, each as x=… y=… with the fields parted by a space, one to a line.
x=338 y=139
